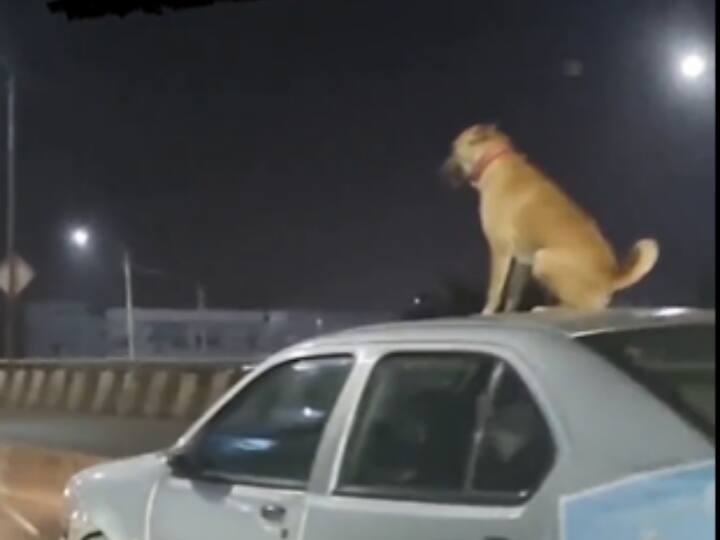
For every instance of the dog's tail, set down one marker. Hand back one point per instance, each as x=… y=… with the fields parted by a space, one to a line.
x=642 y=259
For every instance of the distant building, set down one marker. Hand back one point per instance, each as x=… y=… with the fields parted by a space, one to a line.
x=70 y=330
x=62 y=329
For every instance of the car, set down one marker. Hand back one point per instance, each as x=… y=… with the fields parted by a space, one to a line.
x=522 y=426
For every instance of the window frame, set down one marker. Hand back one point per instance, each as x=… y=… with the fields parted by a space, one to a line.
x=188 y=443
x=457 y=497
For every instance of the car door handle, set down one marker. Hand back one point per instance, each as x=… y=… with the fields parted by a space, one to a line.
x=273 y=512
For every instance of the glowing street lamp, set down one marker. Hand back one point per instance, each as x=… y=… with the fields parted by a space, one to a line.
x=693 y=65
x=80 y=237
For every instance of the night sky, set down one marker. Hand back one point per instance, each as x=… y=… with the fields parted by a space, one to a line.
x=286 y=153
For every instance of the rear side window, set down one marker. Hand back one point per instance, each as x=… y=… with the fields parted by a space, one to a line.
x=446 y=427
x=675 y=363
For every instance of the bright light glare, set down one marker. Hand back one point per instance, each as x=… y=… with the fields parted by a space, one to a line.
x=693 y=65
x=80 y=237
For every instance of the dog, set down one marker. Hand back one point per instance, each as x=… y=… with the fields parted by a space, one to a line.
x=528 y=218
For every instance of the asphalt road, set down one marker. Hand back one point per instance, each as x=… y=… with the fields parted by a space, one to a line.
x=39 y=453
x=29 y=516
x=104 y=436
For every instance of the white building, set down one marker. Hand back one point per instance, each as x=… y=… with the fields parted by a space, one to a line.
x=175 y=333
x=62 y=329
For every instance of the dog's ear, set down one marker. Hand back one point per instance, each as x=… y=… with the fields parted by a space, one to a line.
x=482 y=132
x=492 y=131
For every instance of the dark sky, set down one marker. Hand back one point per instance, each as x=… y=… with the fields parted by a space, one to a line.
x=286 y=152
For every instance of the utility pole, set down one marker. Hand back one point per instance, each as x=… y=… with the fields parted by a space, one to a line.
x=200 y=302
x=200 y=297
x=129 y=314
x=10 y=216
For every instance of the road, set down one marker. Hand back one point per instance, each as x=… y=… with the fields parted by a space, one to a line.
x=39 y=453
x=28 y=519
x=30 y=491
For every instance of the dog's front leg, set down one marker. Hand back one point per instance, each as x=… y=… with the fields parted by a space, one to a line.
x=500 y=259
x=519 y=276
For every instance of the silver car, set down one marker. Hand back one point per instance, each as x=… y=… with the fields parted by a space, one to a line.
x=532 y=426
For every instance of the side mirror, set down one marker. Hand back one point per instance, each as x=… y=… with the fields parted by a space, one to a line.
x=181 y=463
x=185 y=464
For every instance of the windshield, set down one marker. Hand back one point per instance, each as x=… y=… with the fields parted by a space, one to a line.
x=677 y=364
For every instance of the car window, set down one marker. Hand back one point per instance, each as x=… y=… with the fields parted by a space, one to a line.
x=446 y=426
x=676 y=364
x=518 y=449
x=269 y=433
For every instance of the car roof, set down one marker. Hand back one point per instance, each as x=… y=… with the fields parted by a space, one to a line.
x=555 y=321
x=573 y=323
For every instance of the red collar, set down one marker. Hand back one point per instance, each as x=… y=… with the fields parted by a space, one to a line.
x=488 y=159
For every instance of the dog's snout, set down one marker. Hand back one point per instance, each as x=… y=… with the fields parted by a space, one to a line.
x=452 y=172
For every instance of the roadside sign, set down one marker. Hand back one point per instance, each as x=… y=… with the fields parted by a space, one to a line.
x=672 y=504
x=24 y=274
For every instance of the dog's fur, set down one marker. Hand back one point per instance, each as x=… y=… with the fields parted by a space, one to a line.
x=527 y=217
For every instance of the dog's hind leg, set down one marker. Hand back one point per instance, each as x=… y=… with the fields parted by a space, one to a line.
x=569 y=281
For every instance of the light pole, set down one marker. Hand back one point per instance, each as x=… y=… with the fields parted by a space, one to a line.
x=10 y=214
x=81 y=238
x=129 y=314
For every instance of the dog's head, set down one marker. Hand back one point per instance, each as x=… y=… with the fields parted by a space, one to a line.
x=468 y=149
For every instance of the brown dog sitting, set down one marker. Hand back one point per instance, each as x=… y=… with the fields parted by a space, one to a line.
x=527 y=217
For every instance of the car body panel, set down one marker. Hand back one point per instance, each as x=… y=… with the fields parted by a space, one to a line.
x=600 y=419
x=113 y=497
x=675 y=503
x=220 y=508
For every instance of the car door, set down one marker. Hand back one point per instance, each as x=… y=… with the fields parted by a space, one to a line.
x=245 y=471
x=447 y=445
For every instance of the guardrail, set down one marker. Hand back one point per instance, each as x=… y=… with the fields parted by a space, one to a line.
x=143 y=388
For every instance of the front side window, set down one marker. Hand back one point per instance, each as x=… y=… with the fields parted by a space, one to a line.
x=446 y=427
x=269 y=433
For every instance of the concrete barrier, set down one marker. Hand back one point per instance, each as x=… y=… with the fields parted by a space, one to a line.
x=37 y=383
x=144 y=389
x=55 y=388
x=102 y=393
x=17 y=388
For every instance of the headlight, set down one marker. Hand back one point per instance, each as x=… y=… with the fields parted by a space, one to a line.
x=71 y=518
x=65 y=512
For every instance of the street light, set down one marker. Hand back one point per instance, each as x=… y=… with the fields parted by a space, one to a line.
x=80 y=238
x=693 y=65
